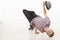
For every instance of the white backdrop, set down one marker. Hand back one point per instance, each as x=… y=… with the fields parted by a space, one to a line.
x=14 y=23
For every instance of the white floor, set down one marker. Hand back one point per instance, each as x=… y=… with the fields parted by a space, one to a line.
x=14 y=25
x=16 y=31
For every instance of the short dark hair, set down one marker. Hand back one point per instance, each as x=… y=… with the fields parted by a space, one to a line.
x=52 y=35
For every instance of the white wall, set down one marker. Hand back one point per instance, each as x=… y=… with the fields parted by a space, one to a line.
x=11 y=10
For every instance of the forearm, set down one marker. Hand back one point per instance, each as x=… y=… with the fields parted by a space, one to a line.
x=36 y=30
x=44 y=10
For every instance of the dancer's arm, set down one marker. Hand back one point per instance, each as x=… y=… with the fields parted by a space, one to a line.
x=36 y=30
x=45 y=13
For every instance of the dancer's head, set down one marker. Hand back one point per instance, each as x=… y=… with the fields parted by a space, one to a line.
x=49 y=32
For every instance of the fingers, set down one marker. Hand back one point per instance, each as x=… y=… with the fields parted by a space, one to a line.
x=43 y=4
x=36 y=32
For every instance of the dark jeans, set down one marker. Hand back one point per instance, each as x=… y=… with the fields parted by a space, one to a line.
x=29 y=15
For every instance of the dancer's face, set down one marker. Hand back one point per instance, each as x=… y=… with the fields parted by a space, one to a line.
x=49 y=32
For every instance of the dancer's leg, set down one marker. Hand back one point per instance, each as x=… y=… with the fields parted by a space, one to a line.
x=28 y=16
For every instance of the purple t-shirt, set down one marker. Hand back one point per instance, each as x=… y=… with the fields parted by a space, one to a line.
x=41 y=23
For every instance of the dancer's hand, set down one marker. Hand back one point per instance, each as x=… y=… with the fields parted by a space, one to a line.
x=43 y=4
